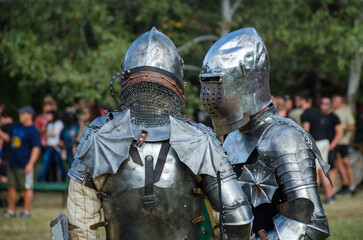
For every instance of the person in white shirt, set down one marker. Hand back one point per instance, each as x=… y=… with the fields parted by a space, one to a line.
x=52 y=151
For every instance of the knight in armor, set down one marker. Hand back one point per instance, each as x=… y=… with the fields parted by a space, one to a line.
x=273 y=157
x=146 y=165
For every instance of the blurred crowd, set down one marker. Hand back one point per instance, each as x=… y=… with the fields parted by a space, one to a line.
x=51 y=136
x=60 y=132
x=332 y=125
x=56 y=134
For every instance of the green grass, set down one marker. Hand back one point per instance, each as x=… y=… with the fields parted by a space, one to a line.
x=345 y=219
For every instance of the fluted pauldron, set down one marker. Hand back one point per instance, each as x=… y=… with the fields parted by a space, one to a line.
x=294 y=170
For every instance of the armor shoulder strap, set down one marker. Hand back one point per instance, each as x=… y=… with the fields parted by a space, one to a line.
x=197 y=147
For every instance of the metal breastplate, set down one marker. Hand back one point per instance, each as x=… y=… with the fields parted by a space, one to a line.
x=166 y=213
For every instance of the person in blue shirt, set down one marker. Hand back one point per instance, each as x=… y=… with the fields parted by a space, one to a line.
x=25 y=149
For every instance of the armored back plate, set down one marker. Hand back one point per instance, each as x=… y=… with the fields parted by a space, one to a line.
x=174 y=204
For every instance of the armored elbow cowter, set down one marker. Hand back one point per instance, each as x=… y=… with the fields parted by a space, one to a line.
x=236 y=213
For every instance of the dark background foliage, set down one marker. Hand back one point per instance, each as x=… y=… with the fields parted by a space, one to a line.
x=72 y=48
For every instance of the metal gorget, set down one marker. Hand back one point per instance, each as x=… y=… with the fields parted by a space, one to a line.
x=240 y=143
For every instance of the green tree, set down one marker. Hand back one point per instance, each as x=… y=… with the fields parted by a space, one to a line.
x=72 y=48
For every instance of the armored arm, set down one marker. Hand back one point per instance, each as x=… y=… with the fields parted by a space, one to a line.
x=235 y=210
x=291 y=152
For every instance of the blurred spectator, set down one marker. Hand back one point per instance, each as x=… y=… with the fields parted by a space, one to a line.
x=25 y=149
x=334 y=131
x=295 y=114
x=343 y=162
x=49 y=100
x=41 y=123
x=52 y=151
x=6 y=124
x=87 y=116
x=312 y=122
x=69 y=136
x=96 y=110
x=288 y=104
x=279 y=103
x=76 y=108
x=82 y=122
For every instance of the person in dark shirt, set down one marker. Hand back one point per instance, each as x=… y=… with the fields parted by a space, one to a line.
x=25 y=149
x=6 y=123
x=312 y=122
x=334 y=131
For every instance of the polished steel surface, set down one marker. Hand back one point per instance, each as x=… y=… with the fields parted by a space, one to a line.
x=288 y=229
x=298 y=209
x=261 y=180
x=154 y=49
x=236 y=211
x=152 y=86
x=289 y=150
x=235 y=80
x=240 y=144
x=105 y=146
x=174 y=208
x=197 y=147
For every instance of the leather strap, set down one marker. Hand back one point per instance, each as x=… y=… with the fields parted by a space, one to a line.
x=141 y=140
x=97 y=225
x=165 y=146
x=198 y=219
x=135 y=155
x=89 y=181
x=151 y=175
x=146 y=76
x=149 y=183
x=101 y=195
x=158 y=70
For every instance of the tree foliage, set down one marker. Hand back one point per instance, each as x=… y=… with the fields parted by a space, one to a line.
x=72 y=48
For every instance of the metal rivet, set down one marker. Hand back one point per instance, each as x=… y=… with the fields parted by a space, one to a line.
x=149 y=158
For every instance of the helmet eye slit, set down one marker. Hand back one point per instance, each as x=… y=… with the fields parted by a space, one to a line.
x=210 y=79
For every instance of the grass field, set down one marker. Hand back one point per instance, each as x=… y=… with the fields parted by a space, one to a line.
x=345 y=219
